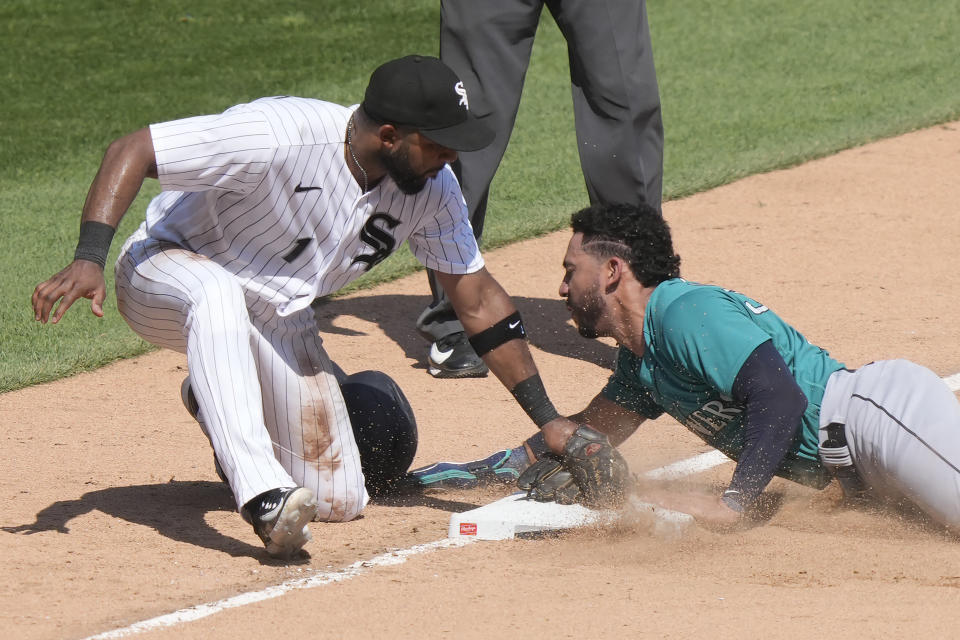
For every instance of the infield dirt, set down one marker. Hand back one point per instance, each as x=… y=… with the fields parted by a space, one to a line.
x=113 y=513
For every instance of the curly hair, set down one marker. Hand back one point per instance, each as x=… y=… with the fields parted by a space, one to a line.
x=637 y=234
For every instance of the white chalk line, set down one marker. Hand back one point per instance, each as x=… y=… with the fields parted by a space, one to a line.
x=315 y=580
x=678 y=469
x=689 y=466
x=693 y=465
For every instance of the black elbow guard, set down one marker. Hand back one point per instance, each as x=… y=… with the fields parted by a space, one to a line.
x=510 y=328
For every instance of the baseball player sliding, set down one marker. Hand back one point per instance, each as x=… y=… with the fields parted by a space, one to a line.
x=264 y=208
x=747 y=383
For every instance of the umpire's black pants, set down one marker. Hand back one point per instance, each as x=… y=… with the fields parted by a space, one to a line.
x=616 y=101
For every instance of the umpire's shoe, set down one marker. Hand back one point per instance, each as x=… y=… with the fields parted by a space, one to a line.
x=453 y=357
x=280 y=518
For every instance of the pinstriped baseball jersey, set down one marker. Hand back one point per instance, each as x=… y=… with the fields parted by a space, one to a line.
x=263 y=189
x=259 y=215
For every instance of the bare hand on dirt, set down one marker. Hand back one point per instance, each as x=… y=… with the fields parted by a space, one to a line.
x=708 y=510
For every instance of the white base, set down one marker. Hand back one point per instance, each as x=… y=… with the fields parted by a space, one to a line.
x=516 y=514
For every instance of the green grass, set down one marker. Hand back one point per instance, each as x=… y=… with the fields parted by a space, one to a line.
x=747 y=86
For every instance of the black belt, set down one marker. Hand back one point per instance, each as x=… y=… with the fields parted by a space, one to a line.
x=835 y=455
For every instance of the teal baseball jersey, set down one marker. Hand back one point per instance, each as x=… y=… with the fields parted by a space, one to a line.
x=697 y=338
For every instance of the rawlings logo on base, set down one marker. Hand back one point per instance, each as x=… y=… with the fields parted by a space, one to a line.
x=468 y=529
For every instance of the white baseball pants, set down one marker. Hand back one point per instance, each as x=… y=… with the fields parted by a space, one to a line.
x=266 y=389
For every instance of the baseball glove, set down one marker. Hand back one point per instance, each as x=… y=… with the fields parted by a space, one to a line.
x=547 y=481
x=591 y=472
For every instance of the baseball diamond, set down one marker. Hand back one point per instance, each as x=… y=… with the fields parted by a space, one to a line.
x=232 y=406
x=150 y=530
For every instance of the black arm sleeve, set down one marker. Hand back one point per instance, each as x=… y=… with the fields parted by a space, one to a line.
x=774 y=408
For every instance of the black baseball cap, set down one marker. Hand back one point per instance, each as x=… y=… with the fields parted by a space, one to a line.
x=424 y=93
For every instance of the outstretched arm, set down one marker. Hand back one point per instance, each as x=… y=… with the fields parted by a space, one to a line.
x=618 y=423
x=481 y=303
x=774 y=408
x=506 y=465
x=127 y=162
x=609 y=418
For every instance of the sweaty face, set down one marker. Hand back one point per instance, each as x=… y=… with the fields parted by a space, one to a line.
x=414 y=160
x=582 y=288
x=586 y=310
x=397 y=163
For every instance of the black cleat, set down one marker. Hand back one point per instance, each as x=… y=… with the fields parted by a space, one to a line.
x=193 y=407
x=453 y=357
x=280 y=518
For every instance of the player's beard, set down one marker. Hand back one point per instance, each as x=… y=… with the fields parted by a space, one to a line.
x=587 y=311
x=398 y=167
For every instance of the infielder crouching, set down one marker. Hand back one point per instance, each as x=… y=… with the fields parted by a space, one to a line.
x=264 y=208
x=731 y=371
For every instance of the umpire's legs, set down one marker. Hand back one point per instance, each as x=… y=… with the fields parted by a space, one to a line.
x=488 y=45
x=616 y=100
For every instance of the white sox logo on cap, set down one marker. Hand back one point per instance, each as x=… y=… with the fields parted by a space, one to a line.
x=415 y=92
x=463 y=95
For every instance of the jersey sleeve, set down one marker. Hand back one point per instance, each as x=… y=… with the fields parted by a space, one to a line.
x=625 y=389
x=230 y=151
x=444 y=240
x=709 y=336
